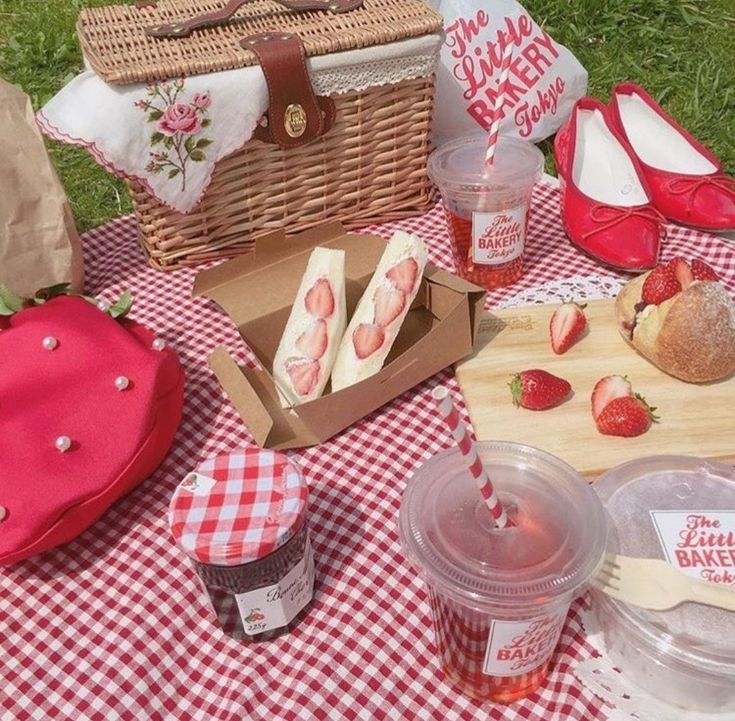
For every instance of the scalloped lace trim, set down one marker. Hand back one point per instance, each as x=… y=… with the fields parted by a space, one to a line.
x=356 y=78
x=579 y=287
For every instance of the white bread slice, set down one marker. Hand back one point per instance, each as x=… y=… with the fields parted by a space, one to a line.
x=310 y=341
x=381 y=311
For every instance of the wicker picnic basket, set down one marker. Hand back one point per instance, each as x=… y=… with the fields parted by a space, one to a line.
x=370 y=166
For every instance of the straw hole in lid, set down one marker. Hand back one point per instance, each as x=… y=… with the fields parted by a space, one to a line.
x=683 y=490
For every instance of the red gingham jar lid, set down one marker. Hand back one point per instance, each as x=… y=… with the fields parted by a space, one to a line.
x=238 y=507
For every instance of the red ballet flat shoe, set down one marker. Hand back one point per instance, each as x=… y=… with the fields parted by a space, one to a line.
x=686 y=180
x=605 y=201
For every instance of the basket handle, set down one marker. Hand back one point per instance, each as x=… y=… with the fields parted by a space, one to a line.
x=183 y=28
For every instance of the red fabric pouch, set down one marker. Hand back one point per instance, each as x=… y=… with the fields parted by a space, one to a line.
x=69 y=371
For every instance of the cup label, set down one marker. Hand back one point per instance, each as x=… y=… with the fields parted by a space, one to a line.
x=699 y=543
x=498 y=237
x=516 y=647
x=274 y=606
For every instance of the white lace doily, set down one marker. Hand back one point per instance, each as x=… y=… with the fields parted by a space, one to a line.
x=623 y=699
x=579 y=287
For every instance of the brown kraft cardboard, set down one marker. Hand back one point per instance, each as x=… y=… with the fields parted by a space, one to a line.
x=257 y=292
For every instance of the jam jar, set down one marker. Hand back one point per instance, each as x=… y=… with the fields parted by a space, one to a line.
x=241 y=519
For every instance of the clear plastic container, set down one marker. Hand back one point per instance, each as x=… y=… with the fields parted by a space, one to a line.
x=499 y=597
x=673 y=507
x=487 y=206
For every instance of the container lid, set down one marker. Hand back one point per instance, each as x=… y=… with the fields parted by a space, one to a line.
x=447 y=531
x=681 y=509
x=118 y=49
x=238 y=507
x=460 y=164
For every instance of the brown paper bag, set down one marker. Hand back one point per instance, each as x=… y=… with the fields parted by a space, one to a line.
x=39 y=244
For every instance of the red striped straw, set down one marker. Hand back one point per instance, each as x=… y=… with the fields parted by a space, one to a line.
x=492 y=139
x=461 y=435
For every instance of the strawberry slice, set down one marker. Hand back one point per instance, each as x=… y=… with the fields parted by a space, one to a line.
x=702 y=271
x=403 y=275
x=538 y=389
x=682 y=271
x=304 y=375
x=606 y=390
x=367 y=338
x=627 y=416
x=319 y=299
x=567 y=325
x=660 y=285
x=313 y=341
x=389 y=304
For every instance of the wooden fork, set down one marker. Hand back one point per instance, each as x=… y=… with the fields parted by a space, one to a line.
x=656 y=584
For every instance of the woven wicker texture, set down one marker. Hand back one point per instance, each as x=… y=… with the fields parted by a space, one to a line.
x=115 y=43
x=370 y=167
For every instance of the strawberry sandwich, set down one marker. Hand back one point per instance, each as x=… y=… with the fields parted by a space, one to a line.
x=380 y=311
x=313 y=331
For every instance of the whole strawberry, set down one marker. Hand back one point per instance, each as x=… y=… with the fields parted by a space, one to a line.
x=702 y=271
x=567 y=325
x=660 y=285
x=626 y=416
x=538 y=389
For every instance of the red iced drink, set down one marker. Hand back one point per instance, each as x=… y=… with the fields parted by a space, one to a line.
x=482 y=274
x=499 y=597
x=487 y=206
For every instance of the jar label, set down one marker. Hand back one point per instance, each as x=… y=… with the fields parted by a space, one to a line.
x=498 y=237
x=516 y=647
x=275 y=606
x=197 y=484
x=699 y=543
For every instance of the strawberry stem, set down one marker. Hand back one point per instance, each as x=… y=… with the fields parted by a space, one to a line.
x=516 y=389
x=651 y=409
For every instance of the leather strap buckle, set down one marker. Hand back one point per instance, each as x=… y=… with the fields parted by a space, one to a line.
x=295 y=115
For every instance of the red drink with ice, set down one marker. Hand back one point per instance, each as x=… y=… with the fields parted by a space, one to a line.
x=487 y=206
x=499 y=597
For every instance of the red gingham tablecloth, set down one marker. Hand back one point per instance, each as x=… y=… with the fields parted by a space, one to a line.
x=113 y=625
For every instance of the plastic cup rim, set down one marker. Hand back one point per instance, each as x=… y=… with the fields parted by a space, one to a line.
x=469 y=183
x=529 y=598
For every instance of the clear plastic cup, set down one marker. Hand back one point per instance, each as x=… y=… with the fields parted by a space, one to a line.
x=500 y=597
x=487 y=206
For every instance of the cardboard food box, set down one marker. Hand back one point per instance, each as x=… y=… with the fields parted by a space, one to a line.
x=257 y=292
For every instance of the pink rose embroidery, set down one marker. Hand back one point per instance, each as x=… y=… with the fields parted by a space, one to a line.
x=180 y=118
x=177 y=123
x=202 y=100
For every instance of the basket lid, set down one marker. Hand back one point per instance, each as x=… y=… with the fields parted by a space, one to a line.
x=119 y=50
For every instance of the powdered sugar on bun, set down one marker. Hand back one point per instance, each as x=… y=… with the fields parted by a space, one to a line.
x=690 y=336
x=696 y=341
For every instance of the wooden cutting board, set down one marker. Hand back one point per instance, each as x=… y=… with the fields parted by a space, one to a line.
x=695 y=420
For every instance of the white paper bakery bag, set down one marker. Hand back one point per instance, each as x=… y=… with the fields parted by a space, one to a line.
x=544 y=82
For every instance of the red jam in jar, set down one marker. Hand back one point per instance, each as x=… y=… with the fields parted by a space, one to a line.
x=241 y=518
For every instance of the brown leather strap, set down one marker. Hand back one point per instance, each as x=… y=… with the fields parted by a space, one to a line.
x=221 y=17
x=296 y=115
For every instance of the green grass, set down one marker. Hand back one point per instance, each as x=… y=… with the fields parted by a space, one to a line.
x=682 y=52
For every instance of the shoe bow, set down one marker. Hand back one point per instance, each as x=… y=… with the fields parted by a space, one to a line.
x=681 y=186
x=610 y=215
